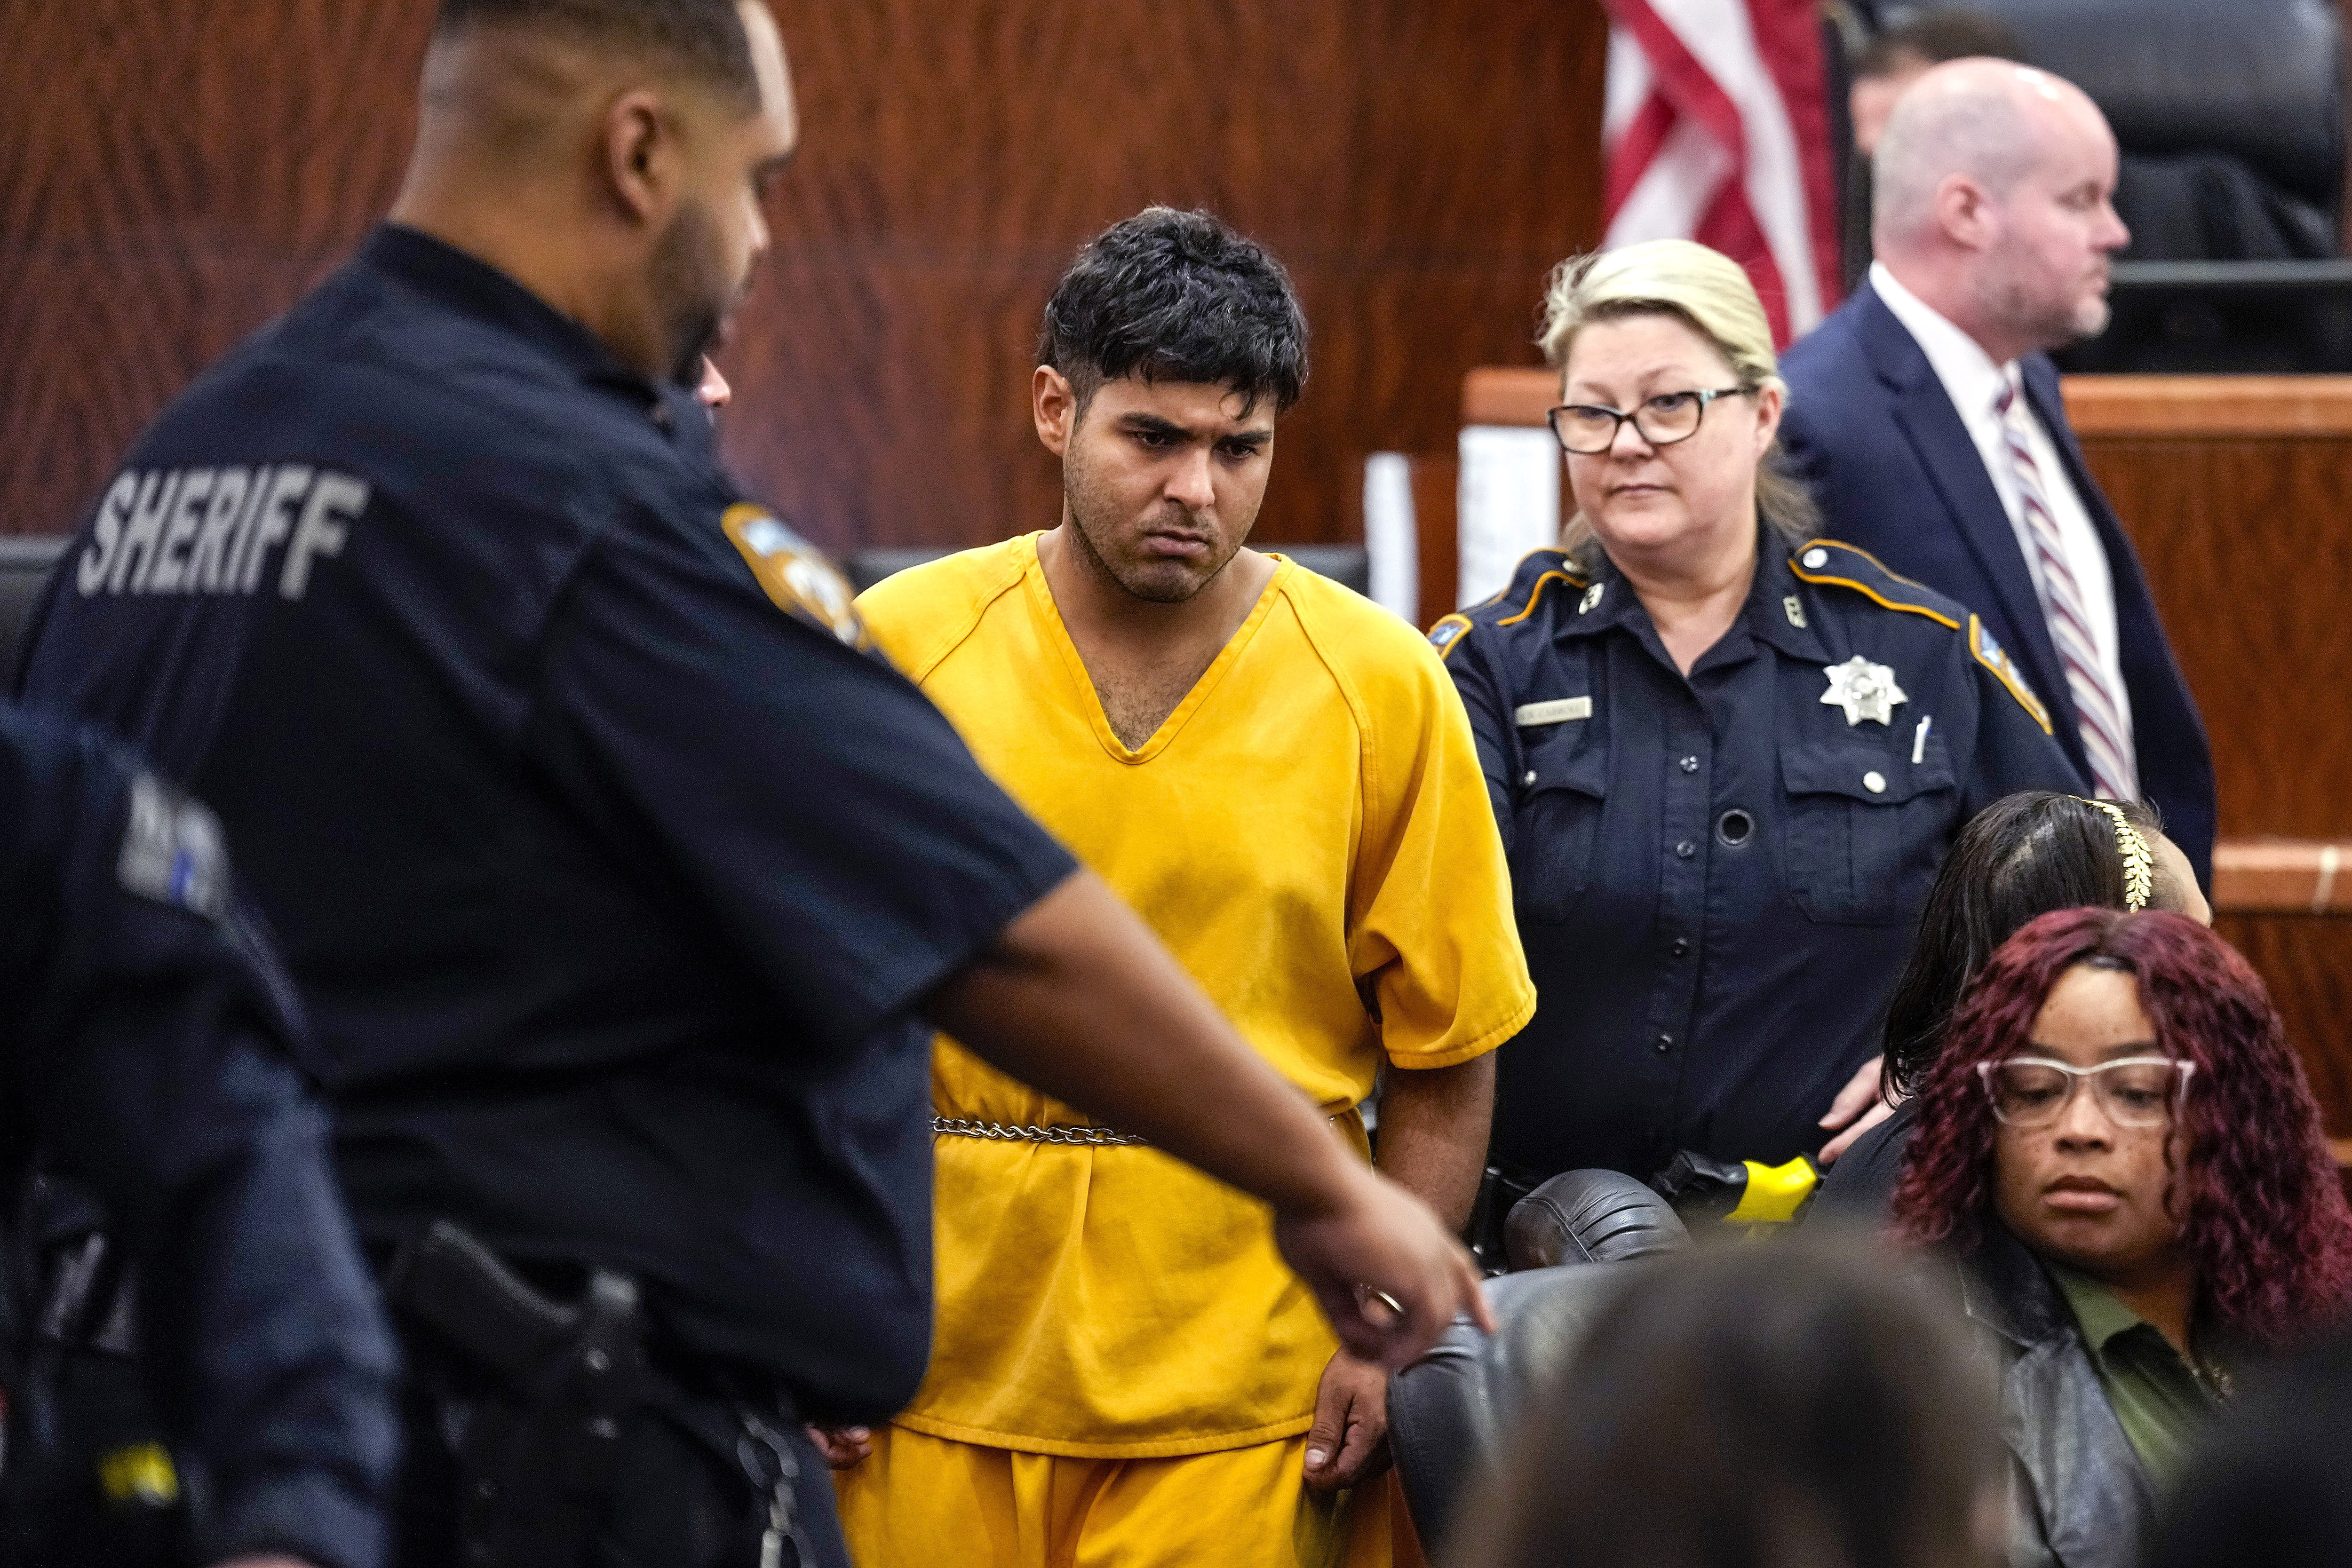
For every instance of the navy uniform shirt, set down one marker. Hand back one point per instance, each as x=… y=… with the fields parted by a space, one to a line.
x=149 y=1050
x=611 y=861
x=1717 y=877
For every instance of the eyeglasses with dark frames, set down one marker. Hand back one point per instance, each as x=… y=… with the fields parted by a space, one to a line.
x=1588 y=429
x=2132 y=1091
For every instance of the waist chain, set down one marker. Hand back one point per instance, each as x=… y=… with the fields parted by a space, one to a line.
x=1100 y=1137
x=959 y=1127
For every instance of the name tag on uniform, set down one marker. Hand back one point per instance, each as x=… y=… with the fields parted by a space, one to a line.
x=1559 y=711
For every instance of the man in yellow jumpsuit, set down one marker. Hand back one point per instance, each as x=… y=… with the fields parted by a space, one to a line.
x=1277 y=774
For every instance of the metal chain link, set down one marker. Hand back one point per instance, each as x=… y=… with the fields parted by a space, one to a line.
x=958 y=1128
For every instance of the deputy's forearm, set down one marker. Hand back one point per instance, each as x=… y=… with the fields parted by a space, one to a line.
x=1080 y=1000
x=1432 y=1134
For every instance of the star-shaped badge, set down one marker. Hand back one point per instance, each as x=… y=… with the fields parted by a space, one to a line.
x=1864 y=689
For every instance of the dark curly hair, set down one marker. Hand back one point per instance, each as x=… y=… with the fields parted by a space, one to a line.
x=1177 y=296
x=2260 y=1207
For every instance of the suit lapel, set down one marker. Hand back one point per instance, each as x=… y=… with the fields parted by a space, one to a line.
x=1924 y=413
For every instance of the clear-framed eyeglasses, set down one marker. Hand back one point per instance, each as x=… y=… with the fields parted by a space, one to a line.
x=1588 y=429
x=2132 y=1091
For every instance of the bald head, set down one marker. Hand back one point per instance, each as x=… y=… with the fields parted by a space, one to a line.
x=1992 y=188
x=1983 y=119
x=609 y=155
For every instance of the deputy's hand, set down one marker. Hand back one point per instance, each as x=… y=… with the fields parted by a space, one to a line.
x=1349 y=1439
x=842 y=1446
x=1372 y=1235
x=1858 y=1098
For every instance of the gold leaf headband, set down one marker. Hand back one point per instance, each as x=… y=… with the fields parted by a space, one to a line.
x=2139 y=866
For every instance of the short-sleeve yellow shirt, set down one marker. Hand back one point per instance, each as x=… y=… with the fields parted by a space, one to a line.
x=1310 y=835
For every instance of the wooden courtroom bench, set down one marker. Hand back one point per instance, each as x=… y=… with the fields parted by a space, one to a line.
x=2237 y=492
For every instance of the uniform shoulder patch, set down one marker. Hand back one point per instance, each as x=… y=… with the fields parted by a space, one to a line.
x=1449 y=630
x=1829 y=562
x=1539 y=571
x=1993 y=657
x=795 y=574
x=172 y=851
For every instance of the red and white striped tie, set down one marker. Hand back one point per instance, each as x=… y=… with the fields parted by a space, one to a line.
x=2100 y=715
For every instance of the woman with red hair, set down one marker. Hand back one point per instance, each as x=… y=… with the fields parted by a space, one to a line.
x=2122 y=1152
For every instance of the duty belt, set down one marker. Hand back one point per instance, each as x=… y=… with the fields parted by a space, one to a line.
x=959 y=1127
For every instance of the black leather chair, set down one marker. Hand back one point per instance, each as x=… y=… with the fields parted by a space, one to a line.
x=2231 y=116
x=1589 y=1216
x=1451 y=1411
x=24 y=564
x=1350 y=566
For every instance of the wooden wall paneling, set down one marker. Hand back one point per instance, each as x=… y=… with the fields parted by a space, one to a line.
x=2103 y=407
x=2247 y=552
x=1436 y=480
x=2283 y=876
x=1417 y=168
x=2233 y=491
x=2306 y=962
x=173 y=173
x=1510 y=394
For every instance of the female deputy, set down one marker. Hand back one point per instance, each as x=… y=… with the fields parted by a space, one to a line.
x=1726 y=759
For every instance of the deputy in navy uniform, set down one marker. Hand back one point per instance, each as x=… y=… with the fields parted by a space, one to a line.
x=623 y=878
x=1727 y=760
x=149 y=1055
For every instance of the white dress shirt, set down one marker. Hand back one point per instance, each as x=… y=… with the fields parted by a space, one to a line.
x=1974 y=385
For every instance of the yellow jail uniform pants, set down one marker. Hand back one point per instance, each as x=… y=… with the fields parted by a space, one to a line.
x=920 y=1501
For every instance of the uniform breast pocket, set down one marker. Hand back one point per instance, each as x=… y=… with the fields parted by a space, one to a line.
x=1867 y=830
x=1556 y=830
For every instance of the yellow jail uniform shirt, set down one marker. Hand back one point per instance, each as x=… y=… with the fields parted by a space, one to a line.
x=1310 y=835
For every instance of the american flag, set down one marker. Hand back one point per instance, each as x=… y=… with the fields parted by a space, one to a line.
x=1716 y=128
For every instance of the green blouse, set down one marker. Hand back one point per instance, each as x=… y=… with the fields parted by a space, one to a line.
x=2161 y=1399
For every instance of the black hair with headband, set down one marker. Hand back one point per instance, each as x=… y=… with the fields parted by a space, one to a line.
x=2025 y=854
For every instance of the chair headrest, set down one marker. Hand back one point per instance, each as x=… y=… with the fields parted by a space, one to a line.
x=2259 y=79
x=1590 y=1217
x=24 y=564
